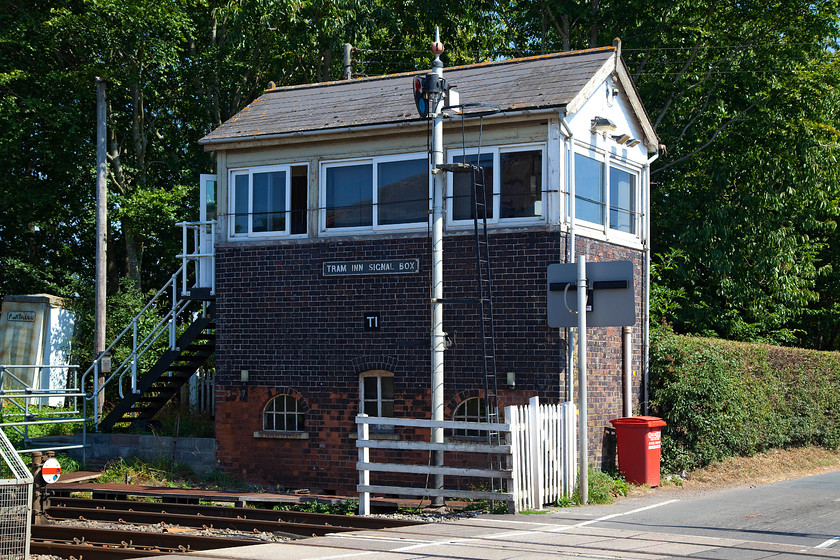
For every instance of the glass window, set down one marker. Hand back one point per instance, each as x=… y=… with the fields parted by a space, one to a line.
x=403 y=191
x=282 y=414
x=462 y=186
x=266 y=201
x=470 y=410
x=510 y=179
x=589 y=189
x=349 y=199
x=520 y=190
x=269 y=203
x=380 y=192
x=622 y=200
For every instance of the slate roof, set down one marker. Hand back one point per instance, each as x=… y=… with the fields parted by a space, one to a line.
x=514 y=85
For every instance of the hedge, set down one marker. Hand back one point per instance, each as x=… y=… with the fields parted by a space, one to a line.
x=723 y=398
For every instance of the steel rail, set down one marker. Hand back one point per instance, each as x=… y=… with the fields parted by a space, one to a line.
x=134 y=539
x=332 y=520
x=198 y=521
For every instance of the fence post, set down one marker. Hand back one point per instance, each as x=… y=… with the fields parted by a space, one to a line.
x=536 y=463
x=512 y=440
x=364 y=458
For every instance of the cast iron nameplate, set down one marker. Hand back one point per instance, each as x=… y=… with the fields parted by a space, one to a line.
x=350 y=268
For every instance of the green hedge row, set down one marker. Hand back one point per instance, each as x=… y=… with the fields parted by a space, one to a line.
x=723 y=398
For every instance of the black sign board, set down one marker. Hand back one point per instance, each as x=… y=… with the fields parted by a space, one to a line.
x=351 y=268
x=610 y=297
x=371 y=322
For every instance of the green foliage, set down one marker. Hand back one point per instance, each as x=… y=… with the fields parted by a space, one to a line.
x=724 y=398
x=604 y=487
x=162 y=471
x=345 y=507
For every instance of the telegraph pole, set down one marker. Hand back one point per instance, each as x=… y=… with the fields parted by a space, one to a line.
x=101 y=235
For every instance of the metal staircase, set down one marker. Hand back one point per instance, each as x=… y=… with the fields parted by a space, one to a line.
x=164 y=379
x=178 y=344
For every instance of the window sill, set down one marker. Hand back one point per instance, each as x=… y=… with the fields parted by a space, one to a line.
x=267 y=434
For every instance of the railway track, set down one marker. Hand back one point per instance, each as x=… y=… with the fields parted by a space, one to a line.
x=88 y=543
x=91 y=543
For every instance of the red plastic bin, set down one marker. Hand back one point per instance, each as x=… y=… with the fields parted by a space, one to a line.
x=639 y=451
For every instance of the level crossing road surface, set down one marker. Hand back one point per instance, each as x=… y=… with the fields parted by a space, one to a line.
x=797 y=519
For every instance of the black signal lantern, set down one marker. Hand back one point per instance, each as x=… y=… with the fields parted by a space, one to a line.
x=427 y=90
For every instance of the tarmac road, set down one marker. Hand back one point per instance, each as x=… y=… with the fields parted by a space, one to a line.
x=802 y=512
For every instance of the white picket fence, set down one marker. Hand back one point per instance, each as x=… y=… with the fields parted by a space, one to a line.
x=538 y=450
x=543 y=452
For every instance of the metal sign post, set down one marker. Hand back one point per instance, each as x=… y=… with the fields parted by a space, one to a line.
x=605 y=293
x=583 y=436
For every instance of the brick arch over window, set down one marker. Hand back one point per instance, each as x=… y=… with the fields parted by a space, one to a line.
x=459 y=398
x=303 y=403
x=370 y=363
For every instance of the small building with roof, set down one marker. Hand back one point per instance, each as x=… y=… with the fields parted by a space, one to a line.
x=323 y=249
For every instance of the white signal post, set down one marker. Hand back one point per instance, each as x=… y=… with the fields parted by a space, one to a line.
x=438 y=335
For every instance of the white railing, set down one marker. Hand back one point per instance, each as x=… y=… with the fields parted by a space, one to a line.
x=201 y=391
x=365 y=466
x=203 y=255
x=24 y=405
x=170 y=297
x=538 y=451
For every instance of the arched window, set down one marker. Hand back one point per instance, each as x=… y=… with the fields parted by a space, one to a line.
x=470 y=410
x=282 y=414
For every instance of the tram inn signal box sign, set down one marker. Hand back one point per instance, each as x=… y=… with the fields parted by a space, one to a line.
x=355 y=268
x=609 y=294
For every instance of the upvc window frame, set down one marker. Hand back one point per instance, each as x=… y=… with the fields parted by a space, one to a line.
x=496 y=152
x=375 y=225
x=233 y=213
x=608 y=162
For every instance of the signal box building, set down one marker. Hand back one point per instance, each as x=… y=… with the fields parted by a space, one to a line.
x=323 y=254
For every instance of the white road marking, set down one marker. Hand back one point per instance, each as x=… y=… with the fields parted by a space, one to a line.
x=828 y=543
x=423 y=544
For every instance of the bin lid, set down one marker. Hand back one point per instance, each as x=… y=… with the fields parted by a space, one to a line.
x=639 y=421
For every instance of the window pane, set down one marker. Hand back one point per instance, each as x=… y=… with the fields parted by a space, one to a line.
x=388 y=409
x=387 y=388
x=349 y=196
x=269 y=201
x=521 y=184
x=268 y=421
x=589 y=194
x=403 y=191
x=370 y=388
x=299 y=199
x=240 y=204
x=462 y=187
x=371 y=409
x=622 y=200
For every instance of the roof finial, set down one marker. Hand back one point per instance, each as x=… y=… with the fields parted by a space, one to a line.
x=437 y=48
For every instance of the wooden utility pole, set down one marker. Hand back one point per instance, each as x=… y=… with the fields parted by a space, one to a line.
x=101 y=236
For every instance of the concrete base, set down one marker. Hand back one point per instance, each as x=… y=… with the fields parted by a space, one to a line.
x=197 y=453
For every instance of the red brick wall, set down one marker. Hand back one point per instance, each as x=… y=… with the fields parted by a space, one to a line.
x=300 y=333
